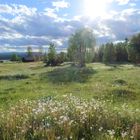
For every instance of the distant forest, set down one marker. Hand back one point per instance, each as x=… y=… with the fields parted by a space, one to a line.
x=126 y=51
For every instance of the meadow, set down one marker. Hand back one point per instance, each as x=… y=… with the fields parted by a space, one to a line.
x=65 y=102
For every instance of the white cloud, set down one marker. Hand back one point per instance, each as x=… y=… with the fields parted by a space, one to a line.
x=58 y=42
x=123 y=2
x=50 y=12
x=15 y=9
x=4 y=8
x=11 y=36
x=28 y=26
x=60 y=4
x=132 y=4
x=22 y=9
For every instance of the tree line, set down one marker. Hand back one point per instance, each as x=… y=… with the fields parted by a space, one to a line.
x=82 y=50
x=51 y=57
x=126 y=51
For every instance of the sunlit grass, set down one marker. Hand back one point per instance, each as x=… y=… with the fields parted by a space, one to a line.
x=113 y=89
x=70 y=118
x=102 y=83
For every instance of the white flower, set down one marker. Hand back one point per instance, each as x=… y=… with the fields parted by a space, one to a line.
x=111 y=133
x=124 y=134
x=58 y=138
x=100 y=129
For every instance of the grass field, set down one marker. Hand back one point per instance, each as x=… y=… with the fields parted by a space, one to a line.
x=118 y=82
x=114 y=86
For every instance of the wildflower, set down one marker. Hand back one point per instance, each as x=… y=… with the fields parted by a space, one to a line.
x=100 y=129
x=58 y=138
x=64 y=96
x=124 y=134
x=131 y=137
x=111 y=133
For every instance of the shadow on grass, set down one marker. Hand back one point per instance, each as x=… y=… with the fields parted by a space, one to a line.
x=7 y=91
x=120 y=82
x=120 y=94
x=68 y=74
x=116 y=65
x=14 y=77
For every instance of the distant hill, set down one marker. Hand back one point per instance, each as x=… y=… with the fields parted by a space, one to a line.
x=7 y=55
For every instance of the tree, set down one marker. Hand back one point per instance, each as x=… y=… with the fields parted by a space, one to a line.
x=98 y=57
x=51 y=57
x=134 y=49
x=51 y=52
x=121 y=52
x=62 y=57
x=15 y=57
x=80 y=43
x=109 y=53
x=29 y=51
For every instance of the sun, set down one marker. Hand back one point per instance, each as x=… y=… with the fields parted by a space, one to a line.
x=95 y=8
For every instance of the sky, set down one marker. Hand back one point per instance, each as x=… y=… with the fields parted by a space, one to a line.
x=38 y=23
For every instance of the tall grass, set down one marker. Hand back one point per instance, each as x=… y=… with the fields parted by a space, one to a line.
x=71 y=118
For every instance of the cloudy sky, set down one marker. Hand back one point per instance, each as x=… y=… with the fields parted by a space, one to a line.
x=38 y=22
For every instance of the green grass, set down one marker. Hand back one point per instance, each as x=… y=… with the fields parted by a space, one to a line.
x=115 y=89
x=120 y=83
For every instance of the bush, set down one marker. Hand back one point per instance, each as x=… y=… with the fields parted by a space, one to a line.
x=69 y=74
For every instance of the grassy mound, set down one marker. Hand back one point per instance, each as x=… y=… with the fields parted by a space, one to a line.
x=69 y=74
x=120 y=82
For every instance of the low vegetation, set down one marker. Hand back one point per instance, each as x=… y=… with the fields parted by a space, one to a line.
x=71 y=119
x=68 y=74
x=67 y=102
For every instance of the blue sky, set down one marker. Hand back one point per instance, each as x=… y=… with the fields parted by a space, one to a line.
x=39 y=22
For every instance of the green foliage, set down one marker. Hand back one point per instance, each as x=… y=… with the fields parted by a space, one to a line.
x=134 y=49
x=51 y=52
x=80 y=43
x=131 y=53
x=69 y=74
x=15 y=57
x=109 y=53
x=62 y=57
x=29 y=51
x=54 y=59
x=121 y=52
x=98 y=54
x=89 y=57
